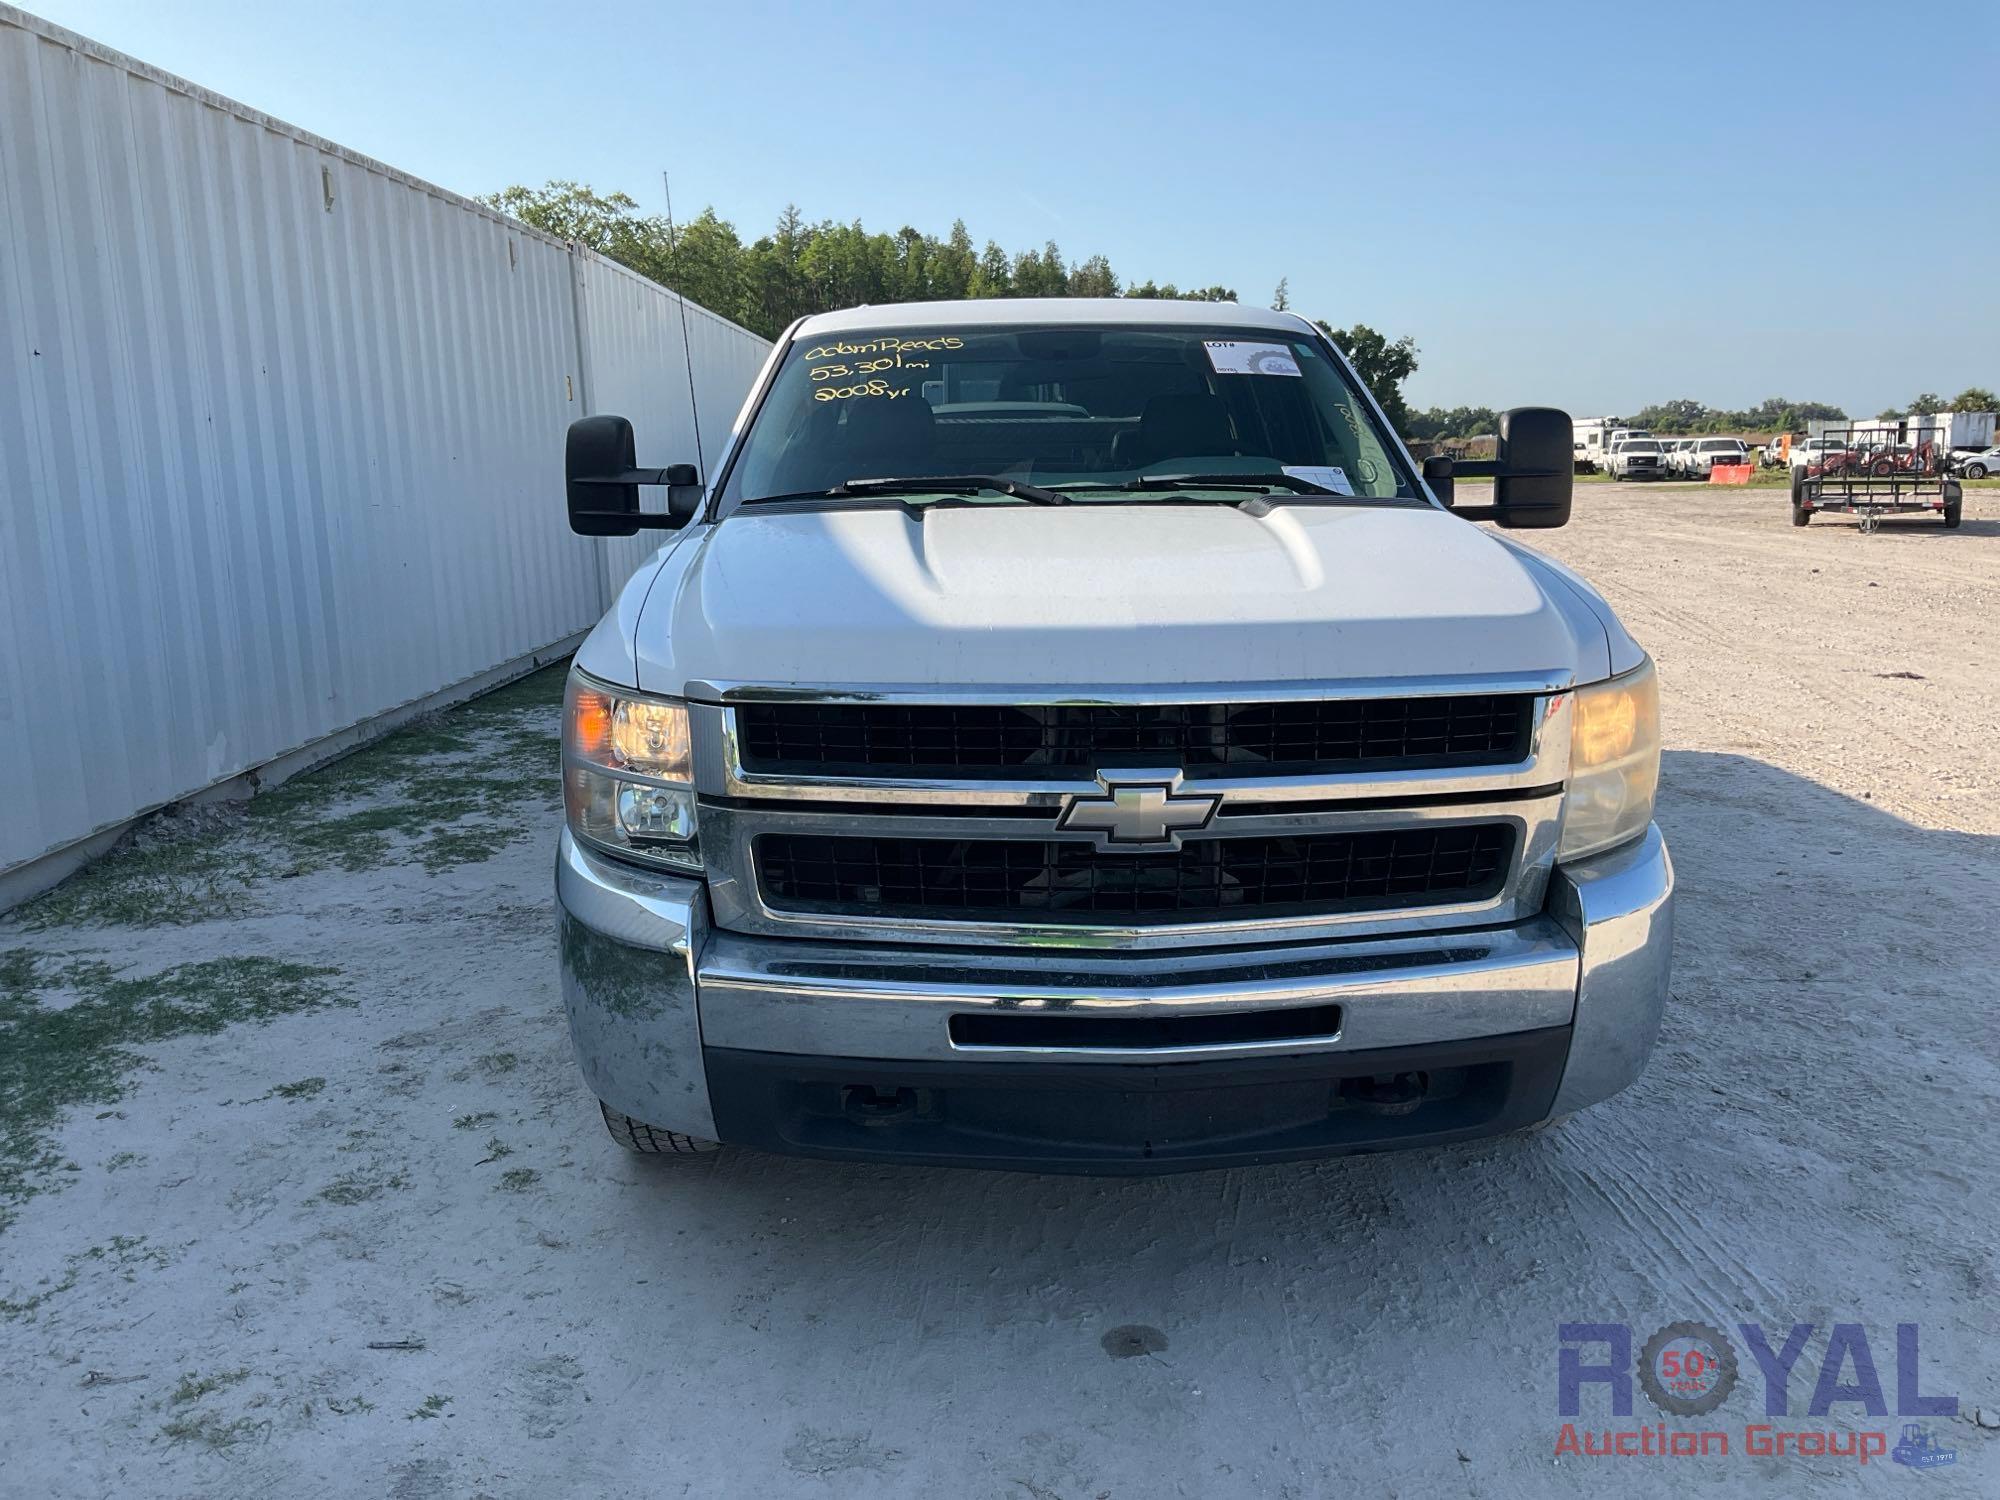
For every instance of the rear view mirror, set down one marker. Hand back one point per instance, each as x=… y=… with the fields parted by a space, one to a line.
x=602 y=482
x=1533 y=471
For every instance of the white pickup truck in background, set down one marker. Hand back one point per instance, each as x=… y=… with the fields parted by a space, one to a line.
x=1697 y=456
x=1074 y=735
x=1636 y=458
x=1812 y=451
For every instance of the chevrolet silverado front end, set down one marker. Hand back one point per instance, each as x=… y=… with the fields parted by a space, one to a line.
x=1068 y=737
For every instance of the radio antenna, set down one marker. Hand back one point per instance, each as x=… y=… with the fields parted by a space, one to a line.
x=687 y=349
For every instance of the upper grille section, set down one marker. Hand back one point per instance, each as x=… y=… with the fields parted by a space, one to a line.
x=1064 y=880
x=1001 y=742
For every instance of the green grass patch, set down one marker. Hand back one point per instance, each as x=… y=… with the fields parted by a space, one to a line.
x=305 y=1088
x=193 y=1387
x=208 y=1429
x=432 y=1408
x=447 y=790
x=124 y=1255
x=173 y=872
x=473 y=1122
x=70 y=1030
x=519 y=1179
x=351 y=1188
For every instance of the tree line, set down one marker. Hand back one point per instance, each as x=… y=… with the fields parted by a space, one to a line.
x=1777 y=414
x=801 y=268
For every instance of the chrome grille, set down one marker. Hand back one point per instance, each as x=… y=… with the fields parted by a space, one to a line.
x=923 y=818
x=1002 y=741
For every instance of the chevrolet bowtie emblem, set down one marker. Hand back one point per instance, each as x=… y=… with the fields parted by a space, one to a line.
x=1138 y=809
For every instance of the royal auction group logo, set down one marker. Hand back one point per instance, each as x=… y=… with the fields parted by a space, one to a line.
x=1688 y=1370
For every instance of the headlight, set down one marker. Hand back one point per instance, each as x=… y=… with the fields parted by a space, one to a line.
x=1614 y=763
x=628 y=774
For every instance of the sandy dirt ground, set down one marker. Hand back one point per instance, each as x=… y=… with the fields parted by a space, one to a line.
x=303 y=1194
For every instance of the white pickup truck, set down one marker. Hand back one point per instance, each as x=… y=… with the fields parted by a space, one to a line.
x=1073 y=735
x=1697 y=456
x=1636 y=458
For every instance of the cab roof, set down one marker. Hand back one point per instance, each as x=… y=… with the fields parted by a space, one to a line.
x=1003 y=312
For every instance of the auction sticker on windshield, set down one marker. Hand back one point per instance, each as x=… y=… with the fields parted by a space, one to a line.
x=1326 y=476
x=1229 y=357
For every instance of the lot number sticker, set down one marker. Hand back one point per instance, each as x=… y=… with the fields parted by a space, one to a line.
x=1228 y=357
x=1326 y=476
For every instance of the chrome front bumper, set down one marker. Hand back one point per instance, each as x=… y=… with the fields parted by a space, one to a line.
x=649 y=985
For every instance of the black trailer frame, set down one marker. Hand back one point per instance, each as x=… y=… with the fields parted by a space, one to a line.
x=1872 y=475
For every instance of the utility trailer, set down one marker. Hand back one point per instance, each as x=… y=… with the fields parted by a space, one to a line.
x=1861 y=471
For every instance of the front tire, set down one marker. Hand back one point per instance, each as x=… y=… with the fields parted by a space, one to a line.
x=1953 y=515
x=1975 y=471
x=651 y=1140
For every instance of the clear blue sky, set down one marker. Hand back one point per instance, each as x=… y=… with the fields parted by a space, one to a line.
x=1593 y=206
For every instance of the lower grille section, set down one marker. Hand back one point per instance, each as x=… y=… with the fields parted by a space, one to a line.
x=1072 y=881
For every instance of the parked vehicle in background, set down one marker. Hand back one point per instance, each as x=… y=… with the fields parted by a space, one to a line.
x=1978 y=465
x=1813 y=452
x=1157 y=773
x=1636 y=458
x=1852 y=475
x=1776 y=454
x=1589 y=438
x=1705 y=453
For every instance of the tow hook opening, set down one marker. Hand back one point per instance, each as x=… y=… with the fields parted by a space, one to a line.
x=1385 y=1093
x=871 y=1104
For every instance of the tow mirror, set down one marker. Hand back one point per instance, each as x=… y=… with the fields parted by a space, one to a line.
x=602 y=482
x=1439 y=474
x=1533 y=471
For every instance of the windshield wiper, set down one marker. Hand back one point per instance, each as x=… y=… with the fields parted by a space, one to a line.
x=951 y=484
x=1290 y=482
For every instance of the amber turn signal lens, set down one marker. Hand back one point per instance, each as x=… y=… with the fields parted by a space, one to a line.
x=589 y=723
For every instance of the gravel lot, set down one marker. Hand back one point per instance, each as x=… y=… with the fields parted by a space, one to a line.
x=302 y=1191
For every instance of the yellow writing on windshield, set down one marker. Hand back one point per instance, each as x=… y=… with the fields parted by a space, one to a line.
x=880 y=388
x=862 y=364
x=841 y=371
x=887 y=345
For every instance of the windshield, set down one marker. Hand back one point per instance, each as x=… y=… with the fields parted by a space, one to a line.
x=1069 y=407
x=1639 y=445
x=1722 y=447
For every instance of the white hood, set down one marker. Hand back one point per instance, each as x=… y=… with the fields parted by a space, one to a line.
x=1103 y=595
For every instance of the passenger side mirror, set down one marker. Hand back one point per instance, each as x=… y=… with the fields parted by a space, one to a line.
x=602 y=482
x=1533 y=471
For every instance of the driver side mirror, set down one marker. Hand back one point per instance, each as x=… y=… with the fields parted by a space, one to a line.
x=602 y=482
x=1533 y=471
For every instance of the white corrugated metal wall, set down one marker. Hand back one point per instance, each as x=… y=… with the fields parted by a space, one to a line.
x=280 y=435
x=635 y=364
